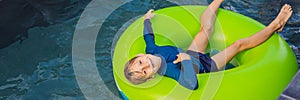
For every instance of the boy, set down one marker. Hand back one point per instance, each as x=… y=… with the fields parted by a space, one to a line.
x=170 y=61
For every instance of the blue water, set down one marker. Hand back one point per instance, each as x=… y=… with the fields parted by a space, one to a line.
x=41 y=67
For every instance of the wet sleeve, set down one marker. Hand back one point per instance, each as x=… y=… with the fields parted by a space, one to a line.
x=188 y=77
x=172 y=71
x=148 y=34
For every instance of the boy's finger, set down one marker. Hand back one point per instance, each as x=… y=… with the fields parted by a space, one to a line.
x=175 y=61
x=150 y=11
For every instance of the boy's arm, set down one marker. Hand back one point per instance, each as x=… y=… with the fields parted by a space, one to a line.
x=187 y=76
x=184 y=76
x=148 y=33
x=147 y=27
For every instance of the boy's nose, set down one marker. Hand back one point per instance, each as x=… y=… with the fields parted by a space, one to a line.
x=146 y=66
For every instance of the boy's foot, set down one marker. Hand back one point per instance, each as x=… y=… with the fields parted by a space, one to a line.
x=283 y=16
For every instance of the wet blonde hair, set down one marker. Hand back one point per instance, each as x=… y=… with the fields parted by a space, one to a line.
x=134 y=77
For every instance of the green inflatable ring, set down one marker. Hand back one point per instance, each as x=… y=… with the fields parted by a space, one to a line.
x=262 y=73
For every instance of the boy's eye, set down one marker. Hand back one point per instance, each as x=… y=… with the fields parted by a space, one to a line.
x=144 y=72
x=140 y=62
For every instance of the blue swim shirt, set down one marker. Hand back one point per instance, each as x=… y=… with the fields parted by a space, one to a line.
x=182 y=72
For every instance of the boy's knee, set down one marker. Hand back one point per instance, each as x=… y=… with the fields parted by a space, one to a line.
x=241 y=44
x=208 y=28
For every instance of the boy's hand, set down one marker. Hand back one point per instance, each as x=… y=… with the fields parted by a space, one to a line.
x=149 y=14
x=181 y=57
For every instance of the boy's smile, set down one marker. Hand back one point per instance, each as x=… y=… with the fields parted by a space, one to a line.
x=146 y=64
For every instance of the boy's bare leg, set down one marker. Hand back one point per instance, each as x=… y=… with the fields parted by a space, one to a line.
x=208 y=17
x=222 y=58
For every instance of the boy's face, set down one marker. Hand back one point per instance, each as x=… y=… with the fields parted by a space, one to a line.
x=146 y=65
